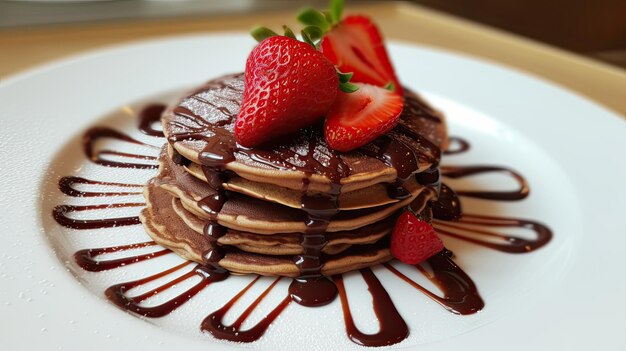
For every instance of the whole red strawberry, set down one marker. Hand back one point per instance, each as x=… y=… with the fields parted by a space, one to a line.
x=414 y=240
x=288 y=85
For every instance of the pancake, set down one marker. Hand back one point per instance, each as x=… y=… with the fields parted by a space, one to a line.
x=200 y=128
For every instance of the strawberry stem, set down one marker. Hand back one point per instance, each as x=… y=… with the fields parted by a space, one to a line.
x=344 y=77
x=313 y=17
x=262 y=33
x=329 y=18
x=289 y=33
x=344 y=82
x=348 y=87
x=323 y=20
x=307 y=39
x=314 y=32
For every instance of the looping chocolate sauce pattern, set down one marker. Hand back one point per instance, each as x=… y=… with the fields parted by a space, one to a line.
x=460 y=294
x=87 y=258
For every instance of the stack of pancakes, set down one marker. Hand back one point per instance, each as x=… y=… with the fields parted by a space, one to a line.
x=292 y=208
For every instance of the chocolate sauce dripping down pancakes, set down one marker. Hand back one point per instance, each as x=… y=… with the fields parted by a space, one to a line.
x=279 y=209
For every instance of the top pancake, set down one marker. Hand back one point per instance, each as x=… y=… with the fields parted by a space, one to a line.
x=200 y=127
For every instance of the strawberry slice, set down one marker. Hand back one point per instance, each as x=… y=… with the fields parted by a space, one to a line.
x=356 y=45
x=414 y=240
x=357 y=118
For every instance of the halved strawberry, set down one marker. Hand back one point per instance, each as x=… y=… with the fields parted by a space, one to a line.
x=357 y=118
x=356 y=45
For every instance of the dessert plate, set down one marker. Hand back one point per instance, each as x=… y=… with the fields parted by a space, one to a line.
x=512 y=129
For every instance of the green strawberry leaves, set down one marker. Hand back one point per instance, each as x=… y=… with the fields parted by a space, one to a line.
x=317 y=23
x=261 y=33
x=313 y=17
x=324 y=20
x=344 y=82
x=336 y=11
x=307 y=39
x=314 y=32
x=289 y=33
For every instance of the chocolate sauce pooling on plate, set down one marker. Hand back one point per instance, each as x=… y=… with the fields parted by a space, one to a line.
x=312 y=292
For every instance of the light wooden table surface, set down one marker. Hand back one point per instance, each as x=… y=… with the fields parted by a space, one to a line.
x=23 y=48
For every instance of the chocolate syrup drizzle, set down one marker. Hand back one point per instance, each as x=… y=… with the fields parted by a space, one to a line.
x=117 y=293
x=66 y=185
x=60 y=215
x=450 y=220
x=148 y=117
x=320 y=209
x=460 y=294
x=393 y=328
x=86 y=258
x=96 y=133
x=213 y=322
x=456 y=145
x=505 y=242
x=455 y=172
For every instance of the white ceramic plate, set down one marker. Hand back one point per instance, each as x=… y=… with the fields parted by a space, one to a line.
x=566 y=295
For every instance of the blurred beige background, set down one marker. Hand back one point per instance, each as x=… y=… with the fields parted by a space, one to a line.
x=596 y=28
x=578 y=44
